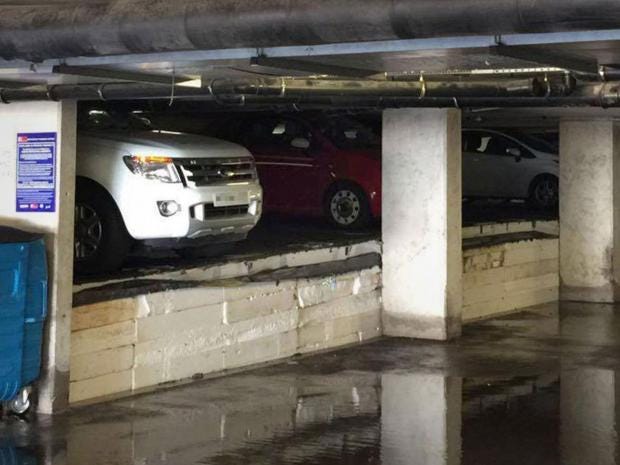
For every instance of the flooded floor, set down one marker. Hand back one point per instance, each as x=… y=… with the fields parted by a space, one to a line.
x=535 y=388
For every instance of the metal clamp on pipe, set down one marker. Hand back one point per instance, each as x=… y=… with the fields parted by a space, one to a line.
x=100 y=92
x=423 y=89
x=50 y=93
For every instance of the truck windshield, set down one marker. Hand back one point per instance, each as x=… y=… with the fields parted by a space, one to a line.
x=105 y=119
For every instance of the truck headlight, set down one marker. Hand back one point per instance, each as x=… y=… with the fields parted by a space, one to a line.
x=153 y=167
x=255 y=201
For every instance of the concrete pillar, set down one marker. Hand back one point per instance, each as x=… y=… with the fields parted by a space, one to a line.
x=421 y=418
x=589 y=195
x=422 y=245
x=43 y=117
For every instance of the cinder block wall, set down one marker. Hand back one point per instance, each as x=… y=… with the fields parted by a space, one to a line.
x=511 y=276
x=126 y=345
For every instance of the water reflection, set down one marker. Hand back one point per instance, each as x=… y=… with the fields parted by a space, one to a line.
x=589 y=413
x=13 y=455
x=393 y=418
x=516 y=399
x=420 y=419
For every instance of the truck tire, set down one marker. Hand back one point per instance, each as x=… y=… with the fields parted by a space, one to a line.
x=101 y=240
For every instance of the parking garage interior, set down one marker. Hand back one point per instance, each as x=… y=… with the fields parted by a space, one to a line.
x=275 y=233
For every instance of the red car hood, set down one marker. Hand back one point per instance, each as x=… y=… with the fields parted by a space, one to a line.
x=370 y=154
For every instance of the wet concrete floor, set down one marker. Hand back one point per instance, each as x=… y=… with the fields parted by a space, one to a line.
x=534 y=388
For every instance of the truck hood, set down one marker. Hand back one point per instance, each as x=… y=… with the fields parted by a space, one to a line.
x=162 y=143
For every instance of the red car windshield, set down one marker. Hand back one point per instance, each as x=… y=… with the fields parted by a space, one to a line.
x=347 y=133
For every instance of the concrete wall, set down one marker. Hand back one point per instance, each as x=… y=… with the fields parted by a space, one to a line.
x=57 y=228
x=502 y=278
x=127 y=345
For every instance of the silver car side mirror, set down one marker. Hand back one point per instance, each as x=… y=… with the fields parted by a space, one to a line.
x=515 y=152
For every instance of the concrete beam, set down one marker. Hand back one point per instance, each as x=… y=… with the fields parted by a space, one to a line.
x=422 y=246
x=589 y=216
x=57 y=226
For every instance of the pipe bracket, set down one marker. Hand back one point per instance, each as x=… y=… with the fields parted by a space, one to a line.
x=50 y=93
x=423 y=87
x=100 y=92
x=548 y=89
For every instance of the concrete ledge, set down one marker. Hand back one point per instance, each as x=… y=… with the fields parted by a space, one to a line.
x=311 y=263
x=511 y=227
x=238 y=267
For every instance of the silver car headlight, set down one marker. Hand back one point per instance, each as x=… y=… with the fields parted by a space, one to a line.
x=153 y=167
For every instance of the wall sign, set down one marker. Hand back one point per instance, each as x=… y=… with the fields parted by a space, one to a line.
x=36 y=172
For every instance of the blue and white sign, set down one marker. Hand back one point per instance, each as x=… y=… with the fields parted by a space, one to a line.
x=36 y=172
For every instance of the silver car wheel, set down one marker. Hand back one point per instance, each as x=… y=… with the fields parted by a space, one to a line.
x=345 y=207
x=546 y=192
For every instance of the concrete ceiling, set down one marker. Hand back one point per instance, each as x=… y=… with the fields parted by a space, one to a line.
x=583 y=52
x=580 y=52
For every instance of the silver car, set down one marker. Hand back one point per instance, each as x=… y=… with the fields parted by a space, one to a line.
x=499 y=165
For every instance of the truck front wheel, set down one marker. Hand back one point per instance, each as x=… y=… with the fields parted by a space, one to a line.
x=101 y=241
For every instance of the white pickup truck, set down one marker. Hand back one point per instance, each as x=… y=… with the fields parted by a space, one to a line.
x=165 y=189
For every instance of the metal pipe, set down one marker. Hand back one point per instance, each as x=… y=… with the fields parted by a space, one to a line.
x=294 y=87
x=342 y=93
x=107 y=91
x=608 y=101
x=609 y=74
x=291 y=88
x=35 y=31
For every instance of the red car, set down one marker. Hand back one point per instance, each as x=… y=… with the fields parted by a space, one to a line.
x=320 y=166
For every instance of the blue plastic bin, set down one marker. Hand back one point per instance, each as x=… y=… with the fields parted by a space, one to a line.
x=23 y=308
x=35 y=313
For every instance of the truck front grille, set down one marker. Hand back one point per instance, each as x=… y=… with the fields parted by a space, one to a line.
x=209 y=211
x=200 y=172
